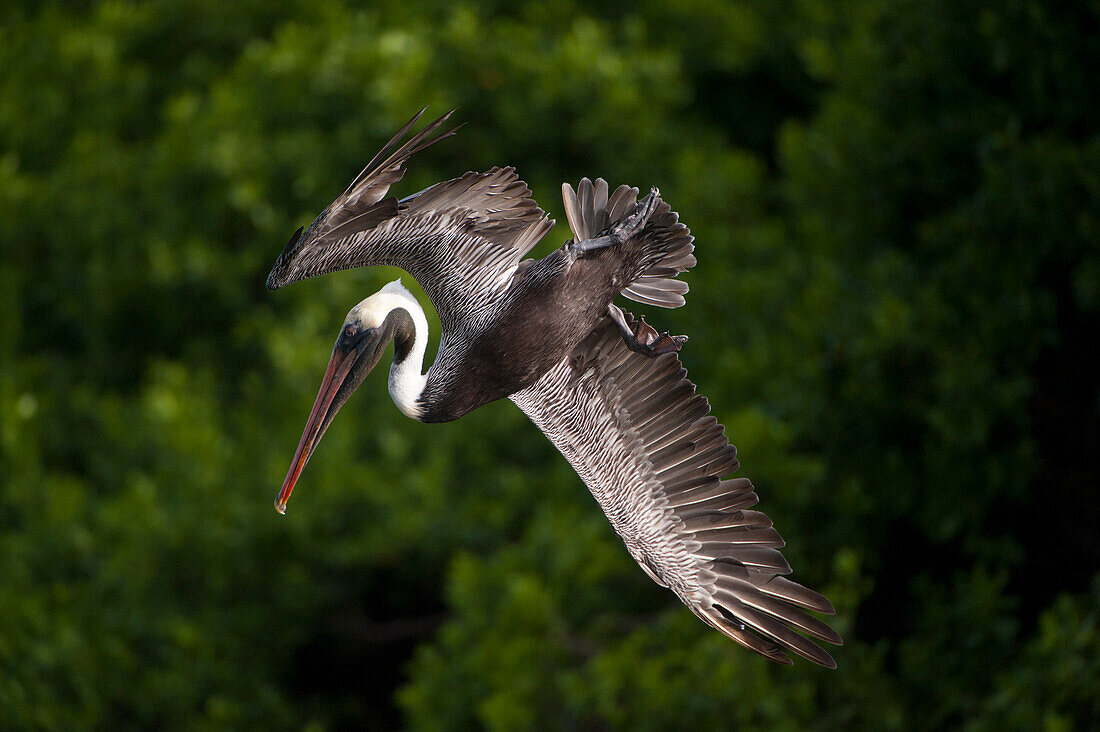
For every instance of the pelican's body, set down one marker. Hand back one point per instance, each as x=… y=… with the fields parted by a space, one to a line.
x=549 y=308
x=606 y=389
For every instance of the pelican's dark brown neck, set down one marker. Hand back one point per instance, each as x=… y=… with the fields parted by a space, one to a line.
x=400 y=325
x=408 y=327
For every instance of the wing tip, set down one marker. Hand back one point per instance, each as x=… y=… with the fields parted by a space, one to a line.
x=277 y=277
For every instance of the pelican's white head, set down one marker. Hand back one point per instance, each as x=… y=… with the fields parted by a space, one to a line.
x=391 y=314
x=372 y=311
x=406 y=380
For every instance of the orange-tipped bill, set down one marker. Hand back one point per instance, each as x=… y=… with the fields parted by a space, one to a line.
x=338 y=368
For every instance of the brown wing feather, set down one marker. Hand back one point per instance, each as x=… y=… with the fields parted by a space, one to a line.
x=641 y=439
x=461 y=239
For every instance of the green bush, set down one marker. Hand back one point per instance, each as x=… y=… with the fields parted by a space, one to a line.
x=896 y=210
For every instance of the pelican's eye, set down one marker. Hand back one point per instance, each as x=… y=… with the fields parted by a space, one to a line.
x=349 y=331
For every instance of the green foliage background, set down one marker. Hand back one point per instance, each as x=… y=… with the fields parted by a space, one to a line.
x=897 y=212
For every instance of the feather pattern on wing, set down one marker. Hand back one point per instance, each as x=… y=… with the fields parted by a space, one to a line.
x=460 y=239
x=642 y=441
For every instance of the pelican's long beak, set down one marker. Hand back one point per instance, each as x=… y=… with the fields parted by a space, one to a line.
x=355 y=354
x=338 y=369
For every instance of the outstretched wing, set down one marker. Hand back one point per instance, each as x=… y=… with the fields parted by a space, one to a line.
x=461 y=239
x=642 y=440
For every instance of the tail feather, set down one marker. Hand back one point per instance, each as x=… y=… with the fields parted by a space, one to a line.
x=664 y=247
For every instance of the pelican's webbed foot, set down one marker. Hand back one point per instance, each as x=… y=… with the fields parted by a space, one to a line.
x=620 y=230
x=643 y=337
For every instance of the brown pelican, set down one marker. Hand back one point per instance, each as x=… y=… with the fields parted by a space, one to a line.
x=607 y=389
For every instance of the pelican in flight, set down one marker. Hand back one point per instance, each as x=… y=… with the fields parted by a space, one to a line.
x=605 y=387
